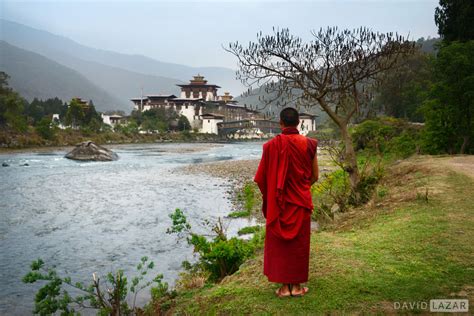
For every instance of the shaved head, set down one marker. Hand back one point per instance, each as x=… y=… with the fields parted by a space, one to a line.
x=290 y=117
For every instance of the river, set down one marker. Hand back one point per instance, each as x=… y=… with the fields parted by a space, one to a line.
x=85 y=217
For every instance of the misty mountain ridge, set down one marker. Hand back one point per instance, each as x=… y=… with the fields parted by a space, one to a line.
x=120 y=75
x=35 y=76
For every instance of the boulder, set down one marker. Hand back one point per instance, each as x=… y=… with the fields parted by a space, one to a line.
x=89 y=151
x=5 y=164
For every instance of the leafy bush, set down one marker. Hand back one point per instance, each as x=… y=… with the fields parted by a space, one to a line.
x=53 y=297
x=332 y=189
x=387 y=135
x=249 y=230
x=219 y=255
x=46 y=129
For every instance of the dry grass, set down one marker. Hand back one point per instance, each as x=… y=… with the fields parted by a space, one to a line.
x=191 y=281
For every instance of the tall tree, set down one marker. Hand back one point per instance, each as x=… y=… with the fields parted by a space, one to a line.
x=455 y=20
x=11 y=106
x=75 y=114
x=449 y=111
x=403 y=90
x=335 y=70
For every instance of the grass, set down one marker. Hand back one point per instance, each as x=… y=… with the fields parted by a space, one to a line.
x=398 y=248
x=237 y=214
x=249 y=230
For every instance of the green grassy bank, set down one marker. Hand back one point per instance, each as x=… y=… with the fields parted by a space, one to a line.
x=412 y=243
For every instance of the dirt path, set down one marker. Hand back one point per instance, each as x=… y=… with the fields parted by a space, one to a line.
x=462 y=164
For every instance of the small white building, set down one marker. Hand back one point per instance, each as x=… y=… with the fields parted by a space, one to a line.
x=209 y=123
x=112 y=120
x=307 y=123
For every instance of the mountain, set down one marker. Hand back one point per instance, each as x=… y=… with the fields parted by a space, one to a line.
x=67 y=52
x=253 y=99
x=123 y=84
x=34 y=76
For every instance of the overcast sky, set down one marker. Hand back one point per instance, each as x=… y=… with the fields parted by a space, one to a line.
x=193 y=32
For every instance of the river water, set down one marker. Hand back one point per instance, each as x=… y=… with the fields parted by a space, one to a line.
x=85 y=217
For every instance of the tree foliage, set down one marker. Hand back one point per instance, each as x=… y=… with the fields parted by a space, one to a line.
x=11 y=106
x=80 y=115
x=183 y=123
x=449 y=110
x=38 y=109
x=109 y=297
x=219 y=256
x=156 y=120
x=455 y=20
x=403 y=90
x=336 y=70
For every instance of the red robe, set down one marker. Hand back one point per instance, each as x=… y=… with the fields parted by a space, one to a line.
x=284 y=178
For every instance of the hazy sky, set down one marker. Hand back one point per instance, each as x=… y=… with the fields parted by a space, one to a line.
x=192 y=32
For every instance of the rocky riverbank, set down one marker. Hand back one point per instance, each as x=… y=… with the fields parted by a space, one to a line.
x=235 y=170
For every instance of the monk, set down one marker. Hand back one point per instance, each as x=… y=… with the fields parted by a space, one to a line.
x=288 y=168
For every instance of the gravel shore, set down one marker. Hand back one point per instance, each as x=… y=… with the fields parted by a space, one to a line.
x=234 y=170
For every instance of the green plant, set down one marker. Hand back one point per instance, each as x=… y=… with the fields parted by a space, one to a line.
x=332 y=189
x=237 y=214
x=179 y=223
x=249 y=230
x=249 y=196
x=218 y=254
x=382 y=192
x=53 y=296
x=46 y=128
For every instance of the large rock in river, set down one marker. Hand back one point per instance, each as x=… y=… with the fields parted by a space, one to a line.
x=89 y=151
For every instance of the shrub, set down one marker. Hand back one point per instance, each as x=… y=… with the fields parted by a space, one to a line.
x=332 y=189
x=249 y=230
x=46 y=129
x=53 y=296
x=219 y=255
x=387 y=135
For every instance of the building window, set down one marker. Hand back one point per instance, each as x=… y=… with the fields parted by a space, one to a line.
x=209 y=121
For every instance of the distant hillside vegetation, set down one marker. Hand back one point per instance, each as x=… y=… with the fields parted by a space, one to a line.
x=428 y=44
x=252 y=100
x=34 y=76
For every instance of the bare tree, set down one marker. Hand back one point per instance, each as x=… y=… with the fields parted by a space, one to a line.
x=335 y=70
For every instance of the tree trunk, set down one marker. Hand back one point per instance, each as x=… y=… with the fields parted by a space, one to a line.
x=350 y=160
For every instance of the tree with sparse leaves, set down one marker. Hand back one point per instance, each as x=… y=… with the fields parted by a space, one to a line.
x=336 y=71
